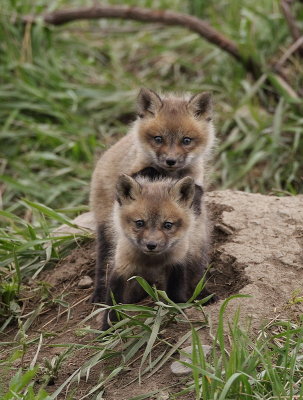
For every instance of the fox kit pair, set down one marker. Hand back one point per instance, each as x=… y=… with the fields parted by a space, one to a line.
x=156 y=228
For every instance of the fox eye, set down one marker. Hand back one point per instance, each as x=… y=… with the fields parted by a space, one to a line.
x=186 y=140
x=139 y=223
x=158 y=139
x=167 y=225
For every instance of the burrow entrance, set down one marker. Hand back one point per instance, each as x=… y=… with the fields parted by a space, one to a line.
x=226 y=276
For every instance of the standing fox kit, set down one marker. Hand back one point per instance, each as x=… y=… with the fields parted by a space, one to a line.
x=158 y=235
x=172 y=135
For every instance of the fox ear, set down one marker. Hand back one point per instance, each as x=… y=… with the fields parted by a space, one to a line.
x=148 y=102
x=201 y=106
x=183 y=191
x=127 y=189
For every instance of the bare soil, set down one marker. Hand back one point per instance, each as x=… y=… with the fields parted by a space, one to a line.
x=257 y=250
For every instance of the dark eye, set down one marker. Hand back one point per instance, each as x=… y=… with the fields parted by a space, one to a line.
x=158 y=139
x=168 y=225
x=139 y=223
x=186 y=140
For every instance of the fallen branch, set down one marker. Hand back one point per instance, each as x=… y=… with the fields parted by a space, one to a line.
x=291 y=22
x=292 y=49
x=147 y=15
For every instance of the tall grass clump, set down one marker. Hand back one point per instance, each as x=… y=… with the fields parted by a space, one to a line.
x=245 y=366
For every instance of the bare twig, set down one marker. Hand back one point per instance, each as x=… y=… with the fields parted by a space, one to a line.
x=294 y=47
x=291 y=22
x=65 y=311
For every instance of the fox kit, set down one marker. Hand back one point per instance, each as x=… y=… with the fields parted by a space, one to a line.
x=172 y=135
x=158 y=235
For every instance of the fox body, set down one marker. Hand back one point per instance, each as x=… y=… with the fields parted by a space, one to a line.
x=172 y=135
x=157 y=234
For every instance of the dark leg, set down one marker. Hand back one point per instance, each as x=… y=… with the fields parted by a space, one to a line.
x=176 y=284
x=102 y=265
x=195 y=271
x=123 y=291
x=197 y=201
x=134 y=292
x=184 y=278
x=116 y=289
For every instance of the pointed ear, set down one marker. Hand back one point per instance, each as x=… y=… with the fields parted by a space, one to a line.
x=201 y=106
x=127 y=189
x=183 y=191
x=148 y=103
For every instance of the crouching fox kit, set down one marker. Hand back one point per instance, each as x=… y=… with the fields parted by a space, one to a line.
x=172 y=135
x=158 y=235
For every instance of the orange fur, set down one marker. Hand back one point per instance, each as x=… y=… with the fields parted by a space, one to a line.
x=171 y=117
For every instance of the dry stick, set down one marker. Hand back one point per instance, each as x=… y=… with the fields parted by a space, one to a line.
x=294 y=47
x=291 y=22
x=65 y=311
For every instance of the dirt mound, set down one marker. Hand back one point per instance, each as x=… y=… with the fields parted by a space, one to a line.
x=267 y=245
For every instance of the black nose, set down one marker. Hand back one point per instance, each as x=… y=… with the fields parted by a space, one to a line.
x=151 y=245
x=170 y=162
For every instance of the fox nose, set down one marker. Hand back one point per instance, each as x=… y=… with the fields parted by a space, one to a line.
x=151 y=245
x=170 y=162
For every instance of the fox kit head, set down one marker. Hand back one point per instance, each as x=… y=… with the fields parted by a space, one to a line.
x=154 y=215
x=174 y=131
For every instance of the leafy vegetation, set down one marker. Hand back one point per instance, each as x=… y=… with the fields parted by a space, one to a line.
x=266 y=367
x=66 y=93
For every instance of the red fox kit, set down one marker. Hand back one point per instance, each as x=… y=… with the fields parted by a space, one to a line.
x=158 y=235
x=173 y=136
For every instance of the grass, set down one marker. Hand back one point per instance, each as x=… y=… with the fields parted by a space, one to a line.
x=66 y=93
x=269 y=366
